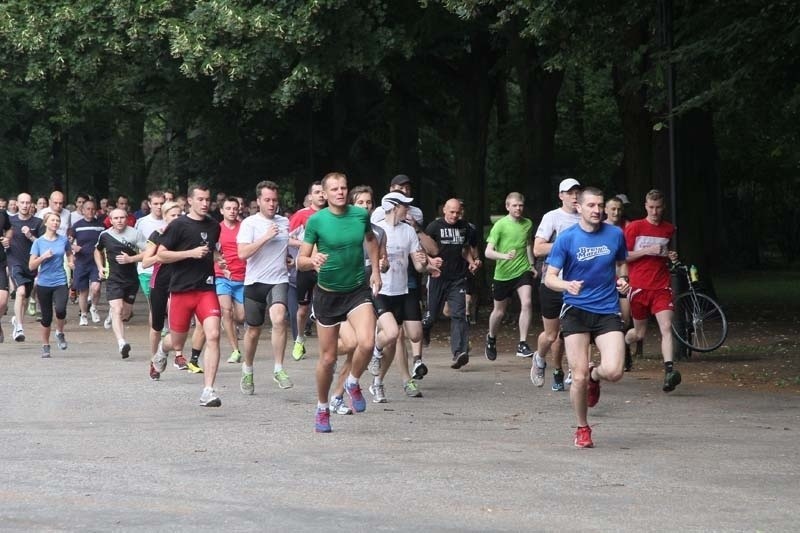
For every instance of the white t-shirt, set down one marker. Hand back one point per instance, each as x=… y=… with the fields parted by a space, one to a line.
x=74 y=217
x=66 y=219
x=552 y=224
x=146 y=226
x=401 y=240
x=268 y=264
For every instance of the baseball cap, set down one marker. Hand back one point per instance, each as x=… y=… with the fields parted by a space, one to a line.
x=395 y=198
x=624 y=198
x=568 y=184
x=400 y=179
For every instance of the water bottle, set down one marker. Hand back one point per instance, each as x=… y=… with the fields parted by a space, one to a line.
x=693 y=275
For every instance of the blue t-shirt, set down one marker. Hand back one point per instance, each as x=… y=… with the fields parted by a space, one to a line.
x=591 y=258
x=51 y=271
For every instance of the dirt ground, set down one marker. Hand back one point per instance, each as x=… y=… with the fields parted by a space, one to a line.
x=762 y=354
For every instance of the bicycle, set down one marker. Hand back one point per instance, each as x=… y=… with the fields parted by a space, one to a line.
x=699 y=322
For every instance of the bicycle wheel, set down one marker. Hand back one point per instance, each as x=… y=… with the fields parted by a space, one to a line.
x=704 y=326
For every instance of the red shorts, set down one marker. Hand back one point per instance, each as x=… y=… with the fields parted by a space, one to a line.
x=646 y=302
x=182 y=305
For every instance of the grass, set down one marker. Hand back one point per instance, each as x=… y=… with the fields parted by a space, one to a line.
x=778 y=290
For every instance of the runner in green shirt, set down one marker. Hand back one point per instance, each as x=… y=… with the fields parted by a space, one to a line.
x=333 y=245
x=510 y=244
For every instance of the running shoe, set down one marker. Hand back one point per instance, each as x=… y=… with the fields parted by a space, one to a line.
x=491 y=348
x=107 y=322
x=523 y=350
x=378 y=393
x=160 y=360
x=94 y=314
x=592 y=391
x=46 y=351
x=209 y=398
x=537 y=370
x=671 y=380
x=459 y=359
x=412 y=389
x=125 y=350
x=322 y=421
x=246 y=384
x=83 y=320
x=32 y=307
x=19 y=333
x=298 y=351
x=194 y=367
x=338 y=406
x=583 y=437
x=307 y=330
x=236 y=357
x=155 y=375
x=374 y=366
x=282 y=379
x=558 y=380
x=356 y=400
x=419 y=370
x=61 y=340
x=180 y=362
x=568 y=379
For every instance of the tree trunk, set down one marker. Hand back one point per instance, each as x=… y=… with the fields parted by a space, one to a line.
x=702 y=234
x=475 y=107
x=539 y=89
x=637 y=124
x=57 y=159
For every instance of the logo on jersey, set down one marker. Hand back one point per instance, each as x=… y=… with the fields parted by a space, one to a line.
x=586 y=253
x=210 y=280
x=204 y=236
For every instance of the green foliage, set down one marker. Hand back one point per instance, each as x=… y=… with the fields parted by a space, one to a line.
x=125 y=96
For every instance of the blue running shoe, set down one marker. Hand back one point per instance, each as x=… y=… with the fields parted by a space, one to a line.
x=322 y=421
x=357 y=401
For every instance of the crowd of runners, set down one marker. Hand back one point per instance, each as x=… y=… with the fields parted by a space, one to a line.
x=361 y=268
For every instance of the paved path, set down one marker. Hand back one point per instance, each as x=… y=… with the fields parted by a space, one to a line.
x=89 y=443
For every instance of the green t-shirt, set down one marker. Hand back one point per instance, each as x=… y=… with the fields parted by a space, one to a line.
x=342 y=238
x=508 y=234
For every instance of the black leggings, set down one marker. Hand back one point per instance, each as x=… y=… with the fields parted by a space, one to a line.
x=49 y=297
x=158 y=307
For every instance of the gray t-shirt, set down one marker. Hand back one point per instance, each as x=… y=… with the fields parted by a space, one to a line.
x=268 y=264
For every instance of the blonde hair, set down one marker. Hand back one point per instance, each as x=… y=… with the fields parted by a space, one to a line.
x=169 y=205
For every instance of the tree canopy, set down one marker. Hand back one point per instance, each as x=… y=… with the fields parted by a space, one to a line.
x=472 y=98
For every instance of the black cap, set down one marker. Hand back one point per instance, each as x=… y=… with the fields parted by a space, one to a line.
x=400 y=179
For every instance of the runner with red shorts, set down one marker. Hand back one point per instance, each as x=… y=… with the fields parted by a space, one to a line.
x=648 y=242
x=190 y=243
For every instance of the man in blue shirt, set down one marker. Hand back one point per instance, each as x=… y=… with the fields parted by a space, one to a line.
x=587 y=264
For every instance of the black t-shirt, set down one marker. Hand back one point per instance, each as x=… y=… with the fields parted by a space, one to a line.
x=111 y=244
x=185 y=233
x=452 y=239
x=5 y=225
x=20 y=250
x=161 y=272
